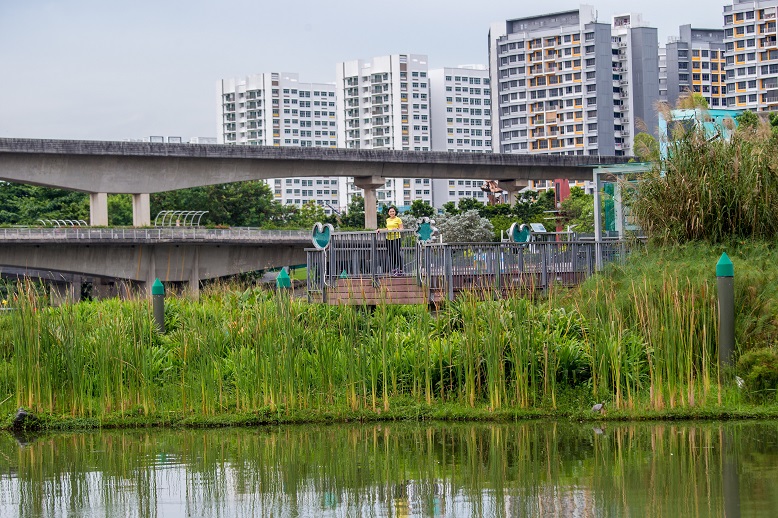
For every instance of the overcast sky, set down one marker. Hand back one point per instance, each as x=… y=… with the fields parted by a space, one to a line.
x=113 y=70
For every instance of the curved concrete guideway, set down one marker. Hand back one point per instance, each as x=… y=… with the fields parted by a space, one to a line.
x=141 y=168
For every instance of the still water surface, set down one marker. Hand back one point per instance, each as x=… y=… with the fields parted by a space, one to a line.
x=398 y=470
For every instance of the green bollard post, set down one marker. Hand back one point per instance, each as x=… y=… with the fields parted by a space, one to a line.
x=158 y=303
x=725 y=279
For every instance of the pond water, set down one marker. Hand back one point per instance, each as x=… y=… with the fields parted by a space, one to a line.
x=543 y=468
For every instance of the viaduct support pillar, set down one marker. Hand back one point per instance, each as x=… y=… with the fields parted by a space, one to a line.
x=66 y=292
x=141 y=210
x=194 y=276
x=98 y=209
x=512 y=187
x=369 y=184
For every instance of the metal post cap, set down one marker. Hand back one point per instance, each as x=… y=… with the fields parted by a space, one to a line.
x=283 y=280
x=725 y=268
x=157 y=288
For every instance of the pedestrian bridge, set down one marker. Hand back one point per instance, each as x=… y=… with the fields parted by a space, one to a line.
x=138 y=256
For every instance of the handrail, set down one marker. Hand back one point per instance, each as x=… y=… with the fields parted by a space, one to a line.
x=76 y=233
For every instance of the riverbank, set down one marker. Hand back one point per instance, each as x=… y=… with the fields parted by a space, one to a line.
x=402 y=411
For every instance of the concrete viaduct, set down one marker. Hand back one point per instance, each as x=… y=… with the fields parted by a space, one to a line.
x=139 y=168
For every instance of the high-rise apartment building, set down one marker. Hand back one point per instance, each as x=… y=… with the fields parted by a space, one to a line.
x=460 y=104
x=694 y=62
x=566 y=83
x=750 y=38
x=276 y=109
x=384 y=103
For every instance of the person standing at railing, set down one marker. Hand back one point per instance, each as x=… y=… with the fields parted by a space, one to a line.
x=393 y=240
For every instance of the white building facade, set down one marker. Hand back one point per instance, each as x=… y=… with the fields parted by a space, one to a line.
x=751 y=44
x=461 y=123
x=384 y=103
x=276 y=109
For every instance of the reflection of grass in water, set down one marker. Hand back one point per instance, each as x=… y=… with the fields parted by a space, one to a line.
x=531 y=468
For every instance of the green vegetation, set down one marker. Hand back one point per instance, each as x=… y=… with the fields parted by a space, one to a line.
x=641 y=338
x=711 y=189
x=242 y=204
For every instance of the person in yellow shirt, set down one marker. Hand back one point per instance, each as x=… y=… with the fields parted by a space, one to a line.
x=394 y=223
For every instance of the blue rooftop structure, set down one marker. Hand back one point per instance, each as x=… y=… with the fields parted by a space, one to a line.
x=714 y=122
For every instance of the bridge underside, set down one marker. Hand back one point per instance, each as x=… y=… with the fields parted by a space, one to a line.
x=142 y=264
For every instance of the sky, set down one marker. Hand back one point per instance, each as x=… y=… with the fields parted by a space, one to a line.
x=116 y=70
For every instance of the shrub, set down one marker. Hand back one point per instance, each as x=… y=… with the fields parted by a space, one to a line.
x=759 y=370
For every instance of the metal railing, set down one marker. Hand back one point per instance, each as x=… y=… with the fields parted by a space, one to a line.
x=159 y=234
x=372 y=254
x=446 y=269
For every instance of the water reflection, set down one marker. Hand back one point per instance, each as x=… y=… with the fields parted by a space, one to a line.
x=398 y=470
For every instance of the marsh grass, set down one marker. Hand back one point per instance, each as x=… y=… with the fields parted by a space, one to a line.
x=642 y=337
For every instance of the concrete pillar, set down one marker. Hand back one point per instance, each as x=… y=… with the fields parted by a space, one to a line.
x=141 y=210
x=102 y=289
x=98 y=209
x=194 y=275
x=512 y=187
x=597 y=221
x=369 y=184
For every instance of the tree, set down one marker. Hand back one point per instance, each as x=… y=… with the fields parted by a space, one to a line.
x=692 y=100
x=578 y=210
x=526 y=208
x=355 y=213
x=467 y=227
x=747 y=120
x=420 y=209
x=450 y=208
x=466 y=204
x=241 y=204
x=309 y=214
x=22 y=204
x=120 y=210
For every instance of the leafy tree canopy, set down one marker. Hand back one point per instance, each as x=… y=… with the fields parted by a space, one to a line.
x=22 y=204
x=354 y=216
x=578 y=211
x=420 y=209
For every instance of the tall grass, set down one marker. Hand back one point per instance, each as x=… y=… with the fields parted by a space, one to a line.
x=643 y=336
x=711 y=189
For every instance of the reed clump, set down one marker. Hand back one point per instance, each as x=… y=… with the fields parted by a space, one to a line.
x=710 y=188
